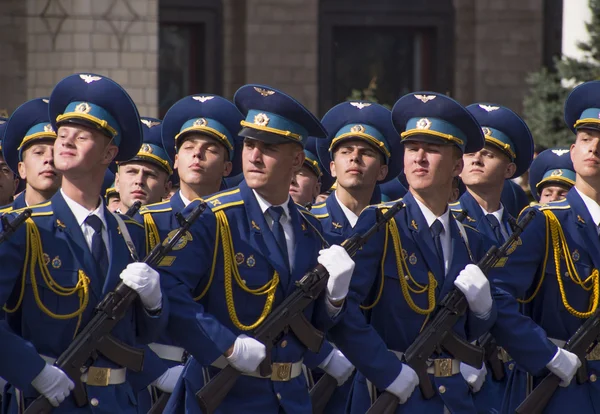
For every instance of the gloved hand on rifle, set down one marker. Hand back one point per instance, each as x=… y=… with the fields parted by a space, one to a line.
x=247 y=354
x=474 y=377
x=340 y=266
x=404 y=384
x=53 y=384
x=146 y=282
x=338 y=366
x=564 y=365
x=474 y=285
x=167 y=381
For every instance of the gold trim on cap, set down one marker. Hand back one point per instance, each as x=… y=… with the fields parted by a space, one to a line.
x=288 y=134
x=447 y=137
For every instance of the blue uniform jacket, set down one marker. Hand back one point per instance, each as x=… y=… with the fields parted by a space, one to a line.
x=391 y=324
x=30 y=330
x=526 y=336
x=204 y=326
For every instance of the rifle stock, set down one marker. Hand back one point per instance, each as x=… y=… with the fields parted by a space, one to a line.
x=321 y=393
x=107 y=314
x=436 y=333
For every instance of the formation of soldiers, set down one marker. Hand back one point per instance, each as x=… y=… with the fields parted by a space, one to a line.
x=280 y=192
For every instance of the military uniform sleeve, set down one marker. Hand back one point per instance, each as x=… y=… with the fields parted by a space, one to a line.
x=353 y=335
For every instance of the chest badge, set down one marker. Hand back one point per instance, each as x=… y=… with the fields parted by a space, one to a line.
x=575 y=255
x=56 y=263
x=412 y=259
x=46 y=259
x=414 y=225
x=239 y=258
x=251 y=261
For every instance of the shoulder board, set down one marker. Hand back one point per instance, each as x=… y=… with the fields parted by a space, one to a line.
x=43 y=209
x=554 y=205
x=161 y=207
x=129 y=220
x=224 y=199
x=307 y=213
x=456 y=207
x=320 y=211
x=386 y=204
x=6 y=210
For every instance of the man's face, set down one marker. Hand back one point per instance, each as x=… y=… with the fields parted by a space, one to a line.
x=8 y=182
x=488 y=166
x=357 y=165
x=585 y=155
x=79 y=150
x=305 y=186
x=270 y=167
x=552 y=193
x=141 y=181
x=201 y=160
x=113 y=203
x=431 y=166
x=38 y=169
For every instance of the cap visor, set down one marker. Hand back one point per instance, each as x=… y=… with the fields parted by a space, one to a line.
x=268 y=137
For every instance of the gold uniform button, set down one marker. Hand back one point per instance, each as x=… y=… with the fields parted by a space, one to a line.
x=511 y=366
x=442 y=389
x=593 y=378
x=94 y=402
x=283 y=343
x=278 y=396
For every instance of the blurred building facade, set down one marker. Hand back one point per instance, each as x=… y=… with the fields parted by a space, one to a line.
x=319 y=51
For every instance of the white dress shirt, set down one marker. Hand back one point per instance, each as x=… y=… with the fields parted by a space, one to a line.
x=186 y=202
x=592 y=207
x=350 y=216
x=285 y=221
x=445 y=238
x=498 y=214
x=81 y=213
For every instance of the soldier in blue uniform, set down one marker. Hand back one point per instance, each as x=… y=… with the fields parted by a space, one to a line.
x=248 y=249
x=307 y=183
x=28 y=144
x=402 y=273
x=198 y=135
x=8 y=179
x=551 y=175
x=507 y=154
x=146 y=177
x=71 y=253
x=555 y=273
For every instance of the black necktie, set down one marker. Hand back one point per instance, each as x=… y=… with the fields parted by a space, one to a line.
x=495 y=227
x=436 y=230
x=98 y=247
x=276 y=213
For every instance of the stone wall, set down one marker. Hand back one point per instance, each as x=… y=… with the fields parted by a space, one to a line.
x=13 y=55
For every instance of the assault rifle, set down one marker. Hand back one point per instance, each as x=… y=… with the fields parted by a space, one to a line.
x=95 y=338
x=135 y=207
x=9 y=227
x=289 y=314
x=438 y=334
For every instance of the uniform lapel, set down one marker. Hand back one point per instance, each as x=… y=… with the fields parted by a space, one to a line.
x=66 y=224
x=586 y=227
x=261 y=238
x=339 y=223
x=304 y=247
x=460 y=257
x=19 y=202
x=118 y=252
x=177 y=204
x=474 y=211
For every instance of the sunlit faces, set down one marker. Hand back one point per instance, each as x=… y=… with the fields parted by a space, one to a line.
x=584 y=153
x=487 y=166
x=37 y=167
x=202 y=160
x=8 y=182
x=553 y=193
x=141 y=181
x=357 y=165
x=79 y=150
x=431 y=166
x=305 y=186
x=113 y=203
x=268 y=168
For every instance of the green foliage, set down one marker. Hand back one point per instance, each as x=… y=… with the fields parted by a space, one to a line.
x=367 y=94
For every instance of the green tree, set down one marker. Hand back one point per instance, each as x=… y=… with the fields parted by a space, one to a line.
x=543 y=105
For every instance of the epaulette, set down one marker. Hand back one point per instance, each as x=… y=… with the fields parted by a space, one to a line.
x=5 y=210
x=386 y=204
x=562 y=204
x=225 y=199
x=160 y=207
x=320 y=211
x=456 y=206
x=129 y=220
x=43 y=209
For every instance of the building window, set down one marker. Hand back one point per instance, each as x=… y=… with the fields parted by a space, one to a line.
x=190 y=44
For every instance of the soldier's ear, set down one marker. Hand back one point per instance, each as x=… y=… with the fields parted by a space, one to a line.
x=510 y=170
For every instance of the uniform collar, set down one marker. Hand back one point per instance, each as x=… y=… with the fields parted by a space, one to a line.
x=184 y=199
x=592 y=207
x=81 y=213
x=430 y=217
x=264 y=205
x=350 y=216
x=498 y=213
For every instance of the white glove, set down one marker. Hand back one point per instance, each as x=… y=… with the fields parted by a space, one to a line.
x=404 y=384
x=340 y=267
x=146 y=282
x=338 y=366
x=167 y=381
x=564 y=365
x=53 y=384
x=472 y=282
x=247 y=354
x=474 y=377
